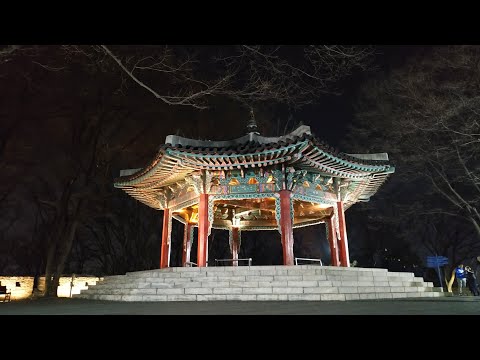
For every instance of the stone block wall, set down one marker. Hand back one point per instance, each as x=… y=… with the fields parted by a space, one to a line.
x=22 y=286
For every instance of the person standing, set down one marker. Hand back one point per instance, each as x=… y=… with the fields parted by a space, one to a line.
x=472 y=281
x=461 y=278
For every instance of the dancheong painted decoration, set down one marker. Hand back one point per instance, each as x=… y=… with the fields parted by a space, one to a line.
x=255 y=183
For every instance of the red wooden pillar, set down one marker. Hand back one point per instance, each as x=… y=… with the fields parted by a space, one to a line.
x=235 y=245
x=342 y=241
x=332 y=240
x=187 y=243
x=202 y=248
x=165 y=249
x=286 y=227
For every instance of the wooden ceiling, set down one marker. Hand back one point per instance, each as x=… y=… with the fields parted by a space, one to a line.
x=256 y=213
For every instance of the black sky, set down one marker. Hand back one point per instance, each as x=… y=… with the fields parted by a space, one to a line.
x=333 y=113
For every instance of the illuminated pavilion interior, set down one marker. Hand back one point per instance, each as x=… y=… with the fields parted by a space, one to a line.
x=254 y=183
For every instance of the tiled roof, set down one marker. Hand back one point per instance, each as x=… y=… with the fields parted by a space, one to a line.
x=179 y=157
x=310 y=142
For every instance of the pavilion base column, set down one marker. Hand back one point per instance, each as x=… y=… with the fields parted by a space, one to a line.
x=286 y=226
x=187 y=243
x=342 y=241
x=332 y=240
x=166 y=231
x=203 y=227
x=234 y=244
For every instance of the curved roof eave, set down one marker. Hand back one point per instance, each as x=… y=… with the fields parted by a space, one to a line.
x=180 y=156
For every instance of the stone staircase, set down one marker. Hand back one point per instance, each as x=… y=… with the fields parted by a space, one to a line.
x=260 y=283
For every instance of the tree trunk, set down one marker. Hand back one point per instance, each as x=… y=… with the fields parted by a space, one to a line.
x=49 y=267
x=64 y=254
x=50 y=289
x=60 y=246
x=450 y=282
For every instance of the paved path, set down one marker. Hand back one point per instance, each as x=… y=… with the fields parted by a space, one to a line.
x=467 y=305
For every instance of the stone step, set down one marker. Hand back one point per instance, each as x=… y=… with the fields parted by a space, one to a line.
x=240 y=282
x=299 y=283
x=264 y=291
x=237 y=277
x=387 y=295
x=258 y=297
x=305 y=282
x=336 y=274
x=280 y=268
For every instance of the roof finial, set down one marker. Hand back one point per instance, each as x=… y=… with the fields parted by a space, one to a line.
x=252 y=124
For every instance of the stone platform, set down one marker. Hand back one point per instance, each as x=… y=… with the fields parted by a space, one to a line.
x=260 y=283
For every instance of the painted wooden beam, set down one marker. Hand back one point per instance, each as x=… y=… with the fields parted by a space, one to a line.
x=165 y=248
x=203 y=225
x=342 y=241
x=286 y=227
x=332 y=240
x=235 y=245
x=187 y=243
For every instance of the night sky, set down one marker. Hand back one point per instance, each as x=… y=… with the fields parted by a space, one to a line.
x=71 y=118
x=338 y=110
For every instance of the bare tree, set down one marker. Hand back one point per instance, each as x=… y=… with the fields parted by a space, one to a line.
x=426 y=115
x=249 y=74
x=74 y=141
